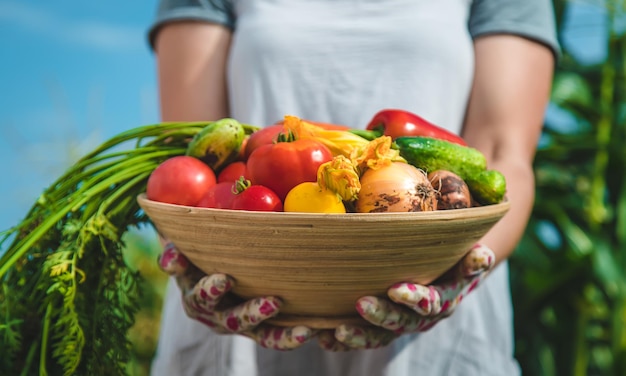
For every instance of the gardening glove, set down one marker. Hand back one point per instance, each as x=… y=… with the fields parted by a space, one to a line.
x=412 y=308
x=206 y=299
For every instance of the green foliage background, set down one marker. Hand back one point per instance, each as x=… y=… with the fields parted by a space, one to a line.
x=141 y=255
x=568 y=275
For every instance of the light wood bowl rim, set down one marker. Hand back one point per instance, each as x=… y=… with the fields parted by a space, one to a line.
x=454 y=214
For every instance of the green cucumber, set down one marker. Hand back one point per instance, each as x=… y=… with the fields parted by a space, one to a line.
x=488 y=187
x=431 y=154
x=218 y=143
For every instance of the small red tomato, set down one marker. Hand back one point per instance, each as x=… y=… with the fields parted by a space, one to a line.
x=257 y=198
x=219 y=196
x=233 y=172
x=180 y=180
x=242 y=149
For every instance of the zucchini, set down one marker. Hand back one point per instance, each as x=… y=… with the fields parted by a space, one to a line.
x=218 y=143
x=431 y=154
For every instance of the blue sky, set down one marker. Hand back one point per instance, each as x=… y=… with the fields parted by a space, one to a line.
x=74 y=73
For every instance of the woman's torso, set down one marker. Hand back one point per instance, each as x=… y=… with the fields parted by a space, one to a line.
x=341 y=61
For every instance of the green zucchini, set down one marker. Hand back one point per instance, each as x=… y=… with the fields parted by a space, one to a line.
x=431 y=154
x=218 y=143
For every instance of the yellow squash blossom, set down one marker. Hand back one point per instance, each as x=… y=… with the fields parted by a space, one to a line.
x=339 y=142
x=340 y=176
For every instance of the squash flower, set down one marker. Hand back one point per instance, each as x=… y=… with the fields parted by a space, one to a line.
x=375 y=154
x=340 y=142
x=340 y=176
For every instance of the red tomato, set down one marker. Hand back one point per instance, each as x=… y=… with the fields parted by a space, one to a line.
x=283 y=165
x=257 y=198
x=242 y=150
x=180 y=180
x=233 y=172
x=265 y=136
x=219 y=196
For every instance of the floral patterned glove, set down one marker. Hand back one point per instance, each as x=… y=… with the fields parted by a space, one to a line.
x=418 y=307
x=206 y=299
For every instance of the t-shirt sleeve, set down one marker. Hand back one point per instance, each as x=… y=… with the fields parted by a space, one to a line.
x=532 y=19
x=215 y=11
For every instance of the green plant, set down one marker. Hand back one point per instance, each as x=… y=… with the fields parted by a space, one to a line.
x=68 y=297
x=569 y=273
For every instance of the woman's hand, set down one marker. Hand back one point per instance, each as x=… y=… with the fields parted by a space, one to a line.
x=206 y=299
x=411 y=308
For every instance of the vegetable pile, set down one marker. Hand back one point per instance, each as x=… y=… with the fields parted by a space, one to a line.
x=303 y=166
x=68 y=298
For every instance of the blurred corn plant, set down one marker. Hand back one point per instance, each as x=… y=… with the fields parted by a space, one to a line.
x=569 y=272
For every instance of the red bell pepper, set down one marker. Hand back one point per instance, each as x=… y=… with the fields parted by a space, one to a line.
x=397 y=123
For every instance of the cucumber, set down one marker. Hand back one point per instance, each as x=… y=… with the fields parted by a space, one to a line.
x=431 y=154
x=488 y=187
x=218 y=143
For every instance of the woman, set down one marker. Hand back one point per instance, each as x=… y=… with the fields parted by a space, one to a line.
x=479 y=68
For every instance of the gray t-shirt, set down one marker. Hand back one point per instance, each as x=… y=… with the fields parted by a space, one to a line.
x=340 y=61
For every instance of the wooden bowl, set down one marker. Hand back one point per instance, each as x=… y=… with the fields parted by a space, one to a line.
x=320 y=264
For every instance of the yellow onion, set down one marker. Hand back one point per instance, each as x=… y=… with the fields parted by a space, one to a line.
x=397 y=187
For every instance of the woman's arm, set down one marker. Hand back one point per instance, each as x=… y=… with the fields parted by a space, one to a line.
x=512 y=82
x=191 y=64
x=191 y=60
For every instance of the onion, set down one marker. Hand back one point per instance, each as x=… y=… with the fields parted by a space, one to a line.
x=397 y=187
